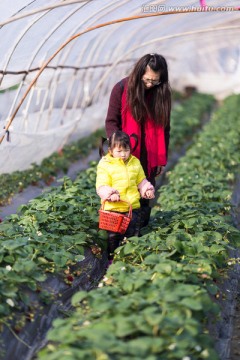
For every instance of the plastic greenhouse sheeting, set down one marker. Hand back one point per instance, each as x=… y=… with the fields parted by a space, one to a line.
x=68 y=99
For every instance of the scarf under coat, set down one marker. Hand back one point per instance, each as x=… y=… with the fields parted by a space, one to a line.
x=154 y=137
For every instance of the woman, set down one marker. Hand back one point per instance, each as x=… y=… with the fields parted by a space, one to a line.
x=141 y=104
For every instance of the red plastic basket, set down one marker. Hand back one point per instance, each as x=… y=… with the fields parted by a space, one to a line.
x=114 y=221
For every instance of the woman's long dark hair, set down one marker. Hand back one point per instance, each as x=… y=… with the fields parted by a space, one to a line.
x=158 y=104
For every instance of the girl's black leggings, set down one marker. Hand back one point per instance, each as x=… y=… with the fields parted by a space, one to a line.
x=114 y=239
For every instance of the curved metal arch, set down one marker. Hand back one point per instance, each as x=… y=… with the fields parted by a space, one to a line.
x=54 y=55
x=98 y=88
x=187 y=33
x=31 y=61
x=69 y=50
x=116 y=49
x=100 y=40
x=175 y=19
x=116 y=6
x=71 y=39
x=63 y=58
x=20 y=37
x=40 y=17
x=120 y=49
x=66 y=3
x=33 y=1
x=136 y=31
x=50 y=34
x=56 y=77
x=82 y=106
x=56 y=27
x=121 y=45
x=49 y=7
x=39 y=47
x=87 y=76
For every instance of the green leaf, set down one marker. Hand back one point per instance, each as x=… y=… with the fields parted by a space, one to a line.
x=60 y=259
x=78 y=297
x=124 y=326
x=13 y=244
x=24 y=266
x=193 y=304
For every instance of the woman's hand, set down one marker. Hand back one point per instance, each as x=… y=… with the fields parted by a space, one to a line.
x=114 y=197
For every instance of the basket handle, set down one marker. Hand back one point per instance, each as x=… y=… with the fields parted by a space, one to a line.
x=130 y=206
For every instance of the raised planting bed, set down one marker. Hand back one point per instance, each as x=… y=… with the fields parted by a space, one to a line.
x=45 y=244
x=156 y=299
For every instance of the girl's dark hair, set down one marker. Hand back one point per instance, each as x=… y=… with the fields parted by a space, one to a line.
x=158 y=104
x=119 y=138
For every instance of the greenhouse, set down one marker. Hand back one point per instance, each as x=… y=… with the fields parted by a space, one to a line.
x=172 y=291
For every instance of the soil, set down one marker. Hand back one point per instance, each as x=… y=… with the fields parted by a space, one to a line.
x=32 y=192
x=234 y=343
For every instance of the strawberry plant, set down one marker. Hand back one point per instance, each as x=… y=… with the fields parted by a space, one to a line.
x=185 y=118
x=46 y=172
x=189 y=116
x=156 y=298
x=54 y=229
x=48 y=235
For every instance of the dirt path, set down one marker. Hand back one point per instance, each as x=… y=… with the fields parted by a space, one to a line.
x=234 y=343
x=33 y=191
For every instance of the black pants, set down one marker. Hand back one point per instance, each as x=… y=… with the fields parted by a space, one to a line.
x=145 y=212
x=115 y=239
x=145 y=207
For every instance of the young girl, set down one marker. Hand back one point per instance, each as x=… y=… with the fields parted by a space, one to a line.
x=120 y=176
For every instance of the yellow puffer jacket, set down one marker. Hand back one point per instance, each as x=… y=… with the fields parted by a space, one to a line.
x=122 y=176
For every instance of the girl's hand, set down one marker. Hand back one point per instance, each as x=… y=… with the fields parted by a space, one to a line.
x=114 y=197
x=150 y=194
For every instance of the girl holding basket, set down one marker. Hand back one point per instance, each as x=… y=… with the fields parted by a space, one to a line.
x=121 y=182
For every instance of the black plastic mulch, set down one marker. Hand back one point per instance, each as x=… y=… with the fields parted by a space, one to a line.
x=39 y=314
